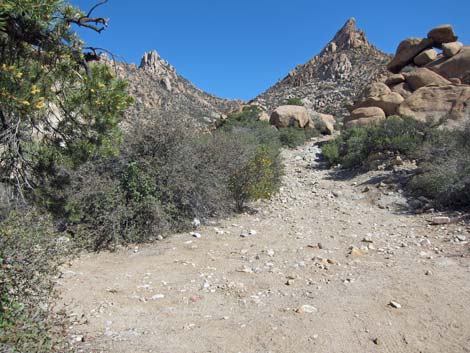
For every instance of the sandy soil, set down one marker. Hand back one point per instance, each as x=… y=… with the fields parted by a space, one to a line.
x=293 y=284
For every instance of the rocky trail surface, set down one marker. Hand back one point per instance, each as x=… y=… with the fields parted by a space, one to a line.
x=331 y=264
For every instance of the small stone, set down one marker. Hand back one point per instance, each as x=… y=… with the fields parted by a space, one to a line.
x=461 y=237
x=428 y=273
x=194 y=299
x=337 y=193
x=376 y=341
x=245 y=269
x=440 y=220
x=196 y=222
x=270 y=252
x=395 y=304
x=252 y=232
x=306 y=309
x=78 y=338
x=195 y=235
x=355 y=252
x=158 y=296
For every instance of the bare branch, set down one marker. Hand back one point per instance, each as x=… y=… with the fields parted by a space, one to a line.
x=90 y=23
x=95 y=6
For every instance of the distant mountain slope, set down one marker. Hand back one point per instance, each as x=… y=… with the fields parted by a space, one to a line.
x=158 y=89
x=331 y=80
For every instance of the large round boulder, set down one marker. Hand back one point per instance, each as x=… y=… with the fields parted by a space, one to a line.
x=324 y=123
x=424 y=77
x=289 y=116
x=457 y=66
x=369 y=112
x=445 y=105
x=442 y=34
x=395 y=79
x=389 y=103
x=374 y=89
x=407 y=50
x=364 y=117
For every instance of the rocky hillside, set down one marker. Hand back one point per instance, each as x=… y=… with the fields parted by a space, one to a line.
x=159 y=89
x=331 y=80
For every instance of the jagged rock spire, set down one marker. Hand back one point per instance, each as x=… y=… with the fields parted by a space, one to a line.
x=348 y=37
x=152 y=62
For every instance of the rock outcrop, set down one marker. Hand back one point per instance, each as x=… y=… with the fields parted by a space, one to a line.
x=364 y=116
x=331 y=79
x=433 y=88
x=289 y=116
x=447 y=105
x=424 y=77
x=407 y=51
x=457 y=66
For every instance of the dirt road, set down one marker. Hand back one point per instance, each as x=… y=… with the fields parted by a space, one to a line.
x=316 y=270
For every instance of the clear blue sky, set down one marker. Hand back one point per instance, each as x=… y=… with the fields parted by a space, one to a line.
x=238 y=48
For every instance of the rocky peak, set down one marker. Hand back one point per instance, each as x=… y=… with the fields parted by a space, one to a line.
x=331 y=79
x=152 y=62
x=348 y=37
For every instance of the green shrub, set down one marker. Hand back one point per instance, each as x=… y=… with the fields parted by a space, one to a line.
x=30 y=255
x=249 y=115
x=259 y=178
x=294 y=101
x=395 y=135
x=444 y=169
x=293 y=136
x=168 y=173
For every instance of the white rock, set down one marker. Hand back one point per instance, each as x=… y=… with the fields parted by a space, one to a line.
x=158 y=296
x=307 y=309
x=196 y=222
x=440 y=220
x=195 y=235
x=395 y=305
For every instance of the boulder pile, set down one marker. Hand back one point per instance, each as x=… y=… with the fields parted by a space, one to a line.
x=429 y=81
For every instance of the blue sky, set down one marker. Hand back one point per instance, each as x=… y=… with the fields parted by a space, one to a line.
x=239 y=48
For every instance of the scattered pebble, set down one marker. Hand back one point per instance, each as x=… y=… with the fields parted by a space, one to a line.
x=158 y=296
x=440 y=220
x=307 y=309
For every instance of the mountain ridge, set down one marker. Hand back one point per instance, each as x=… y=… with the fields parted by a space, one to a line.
x=330 y=80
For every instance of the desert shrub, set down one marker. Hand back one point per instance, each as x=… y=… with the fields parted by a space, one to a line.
x=444 y=169
x=167 y=174
x=259 y=178
x=348 y=149
x=30 y=255
x=293 y=136
x=294 y=101
x=248 y=116
x=395 y=135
